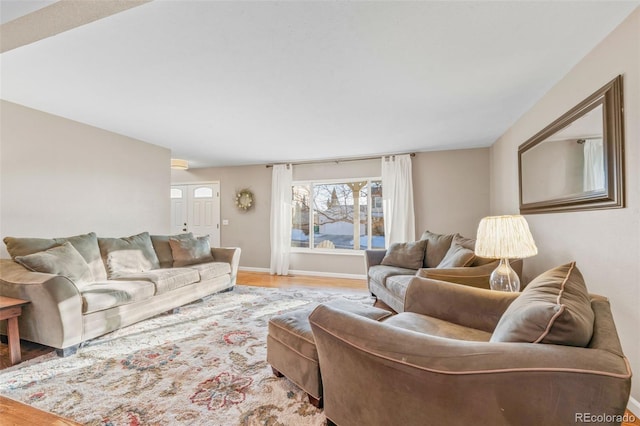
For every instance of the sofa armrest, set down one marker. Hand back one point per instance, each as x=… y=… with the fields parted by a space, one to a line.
x=54 y=316
x=373 y=257
x=378 y=367
x=469 y=306
x=230 y=255
x=474 y=276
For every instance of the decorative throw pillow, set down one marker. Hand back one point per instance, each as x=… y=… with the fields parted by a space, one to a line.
x=470 y=244
x=437 y=247
x=190 y=251
x=457 y=256
x=554 y=308
x=62 y=260
x=86 y=244
x=405 y=255
x=163 y=248
x=128 y=254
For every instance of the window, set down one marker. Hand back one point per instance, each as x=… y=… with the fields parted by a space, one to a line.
x=338 y=215
x=176 y=193
x=203 y=192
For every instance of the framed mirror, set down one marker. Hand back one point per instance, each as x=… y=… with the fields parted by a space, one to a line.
x=576 y=162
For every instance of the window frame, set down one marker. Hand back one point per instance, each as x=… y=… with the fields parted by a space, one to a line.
x=311 y=248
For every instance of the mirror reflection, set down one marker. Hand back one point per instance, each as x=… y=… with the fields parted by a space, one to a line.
x=568 y=163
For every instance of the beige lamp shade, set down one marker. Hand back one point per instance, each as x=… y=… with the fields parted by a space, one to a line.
x=505 y=237
x=179 y=164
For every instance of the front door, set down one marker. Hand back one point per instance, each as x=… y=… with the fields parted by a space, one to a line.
x=196 y=208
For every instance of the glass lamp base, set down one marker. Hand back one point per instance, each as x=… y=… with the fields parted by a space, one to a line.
x=503 y=278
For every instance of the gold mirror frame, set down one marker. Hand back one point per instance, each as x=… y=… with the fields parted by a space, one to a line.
x=612 y=195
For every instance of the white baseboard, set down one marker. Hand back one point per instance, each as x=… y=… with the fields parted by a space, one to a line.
x=634 y=407
x=308 y=273
x=252 y=269
x=329 y=274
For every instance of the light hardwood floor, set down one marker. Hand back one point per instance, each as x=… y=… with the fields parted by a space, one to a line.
x=16 y=413
x=262 y=279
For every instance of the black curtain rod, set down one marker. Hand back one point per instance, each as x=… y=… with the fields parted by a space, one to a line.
x=342 y=160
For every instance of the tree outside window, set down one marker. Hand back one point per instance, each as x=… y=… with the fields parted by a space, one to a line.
x=338 y=215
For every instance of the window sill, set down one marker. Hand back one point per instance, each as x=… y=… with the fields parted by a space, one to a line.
x=338 y=252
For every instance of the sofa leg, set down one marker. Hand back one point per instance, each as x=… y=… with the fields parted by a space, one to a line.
x=330 y=423
x=227 y=289
x=276 y=372
x=316 y=402
x=71 y=350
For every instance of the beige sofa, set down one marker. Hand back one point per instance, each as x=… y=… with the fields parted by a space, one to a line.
x=464 y=356
x=93 y=286
x=440 y=257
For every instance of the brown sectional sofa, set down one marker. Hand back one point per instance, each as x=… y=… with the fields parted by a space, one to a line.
x=440 y=257
x=96 y=285
x=460 y=355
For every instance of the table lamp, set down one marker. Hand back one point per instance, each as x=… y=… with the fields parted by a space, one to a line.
x=504 y=238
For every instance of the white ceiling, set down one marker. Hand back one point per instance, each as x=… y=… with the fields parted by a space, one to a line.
x=12 y=9
x=230 y=83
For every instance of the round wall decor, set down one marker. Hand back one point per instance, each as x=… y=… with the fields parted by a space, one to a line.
x=244 y=199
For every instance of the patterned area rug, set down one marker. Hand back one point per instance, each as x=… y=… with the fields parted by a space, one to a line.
x=205 y=365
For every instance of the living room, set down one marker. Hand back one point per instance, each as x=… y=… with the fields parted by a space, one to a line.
x=63 y=177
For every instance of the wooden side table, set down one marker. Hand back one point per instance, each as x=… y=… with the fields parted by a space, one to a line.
x=11 y=309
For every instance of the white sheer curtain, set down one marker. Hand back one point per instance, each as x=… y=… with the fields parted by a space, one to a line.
x=593 y=177
x=281 y=181
x=397 y=199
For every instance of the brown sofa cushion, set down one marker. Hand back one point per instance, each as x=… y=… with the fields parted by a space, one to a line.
x=457 y=256
x=128 y=254
x=381 y=273
x=163 y=248
x=190 y=251
x=437 y=327
x=554 y=308
x=86 y=244
x=398 y=284
x=62 y=260
x=437 y=247
x=405 y=255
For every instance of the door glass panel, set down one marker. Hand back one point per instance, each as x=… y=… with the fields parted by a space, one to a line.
x=176 y=193
x=203 y=192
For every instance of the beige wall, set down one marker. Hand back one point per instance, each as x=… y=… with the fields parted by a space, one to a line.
x=248 y=230
x=605 y=244
x=59 y=178
x=451 y=190
x=446 y=200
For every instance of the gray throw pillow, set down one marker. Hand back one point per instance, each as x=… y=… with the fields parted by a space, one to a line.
x=405 y=255
x=62 y=260
x=470 y=244
x=190 y=251
x=437 y=247
x=128 y=254
x=86 y=244
x=554 y=308
x=465 y=242
x=163 y=248
x=457 y=256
